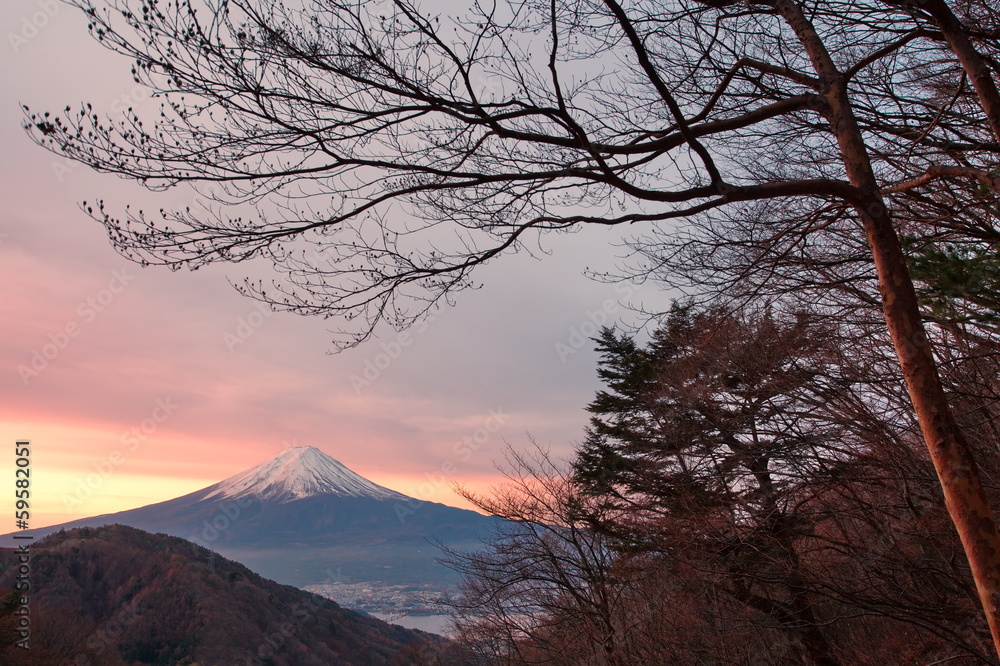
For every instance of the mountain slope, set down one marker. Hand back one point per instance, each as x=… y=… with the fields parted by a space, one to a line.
x=304 y=518
x=296 y=473
x=115 y=594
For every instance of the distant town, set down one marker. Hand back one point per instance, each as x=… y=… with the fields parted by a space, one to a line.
x=393 y=600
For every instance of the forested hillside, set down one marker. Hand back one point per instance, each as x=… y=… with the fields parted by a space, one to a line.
x=117 y=595
x=751 y=490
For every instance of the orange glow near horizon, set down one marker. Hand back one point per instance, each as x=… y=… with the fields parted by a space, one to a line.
x=434 y=488
x=84 y=470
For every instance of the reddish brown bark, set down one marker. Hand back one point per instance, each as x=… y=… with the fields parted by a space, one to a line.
x=953 y=460
x=972 y=62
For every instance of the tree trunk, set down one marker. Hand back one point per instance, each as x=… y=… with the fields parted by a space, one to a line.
x=972 y=62
x=953 y=460
x=952 y=457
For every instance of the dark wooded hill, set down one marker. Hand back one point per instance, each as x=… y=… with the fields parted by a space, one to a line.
x=118 y=595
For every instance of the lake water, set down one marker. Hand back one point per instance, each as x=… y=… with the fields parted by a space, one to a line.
x=435 y=624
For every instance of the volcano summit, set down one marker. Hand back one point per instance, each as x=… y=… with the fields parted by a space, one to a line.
x=304 y=518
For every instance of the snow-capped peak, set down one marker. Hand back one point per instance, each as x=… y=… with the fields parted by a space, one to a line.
x=297 y=472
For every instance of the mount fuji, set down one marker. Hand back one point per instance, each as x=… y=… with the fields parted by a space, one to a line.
x=298 y=473
x=303 y=518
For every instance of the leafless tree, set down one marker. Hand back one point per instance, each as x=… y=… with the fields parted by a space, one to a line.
x=411 y=149
x=549 y=589
x=543 y=568
x=756 y=450
x=744 y=494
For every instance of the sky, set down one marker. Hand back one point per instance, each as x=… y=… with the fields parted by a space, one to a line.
x=135 y=385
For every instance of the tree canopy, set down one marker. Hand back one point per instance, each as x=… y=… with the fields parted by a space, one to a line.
x=412 y=147
x=399 y=150
x=749 y=491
